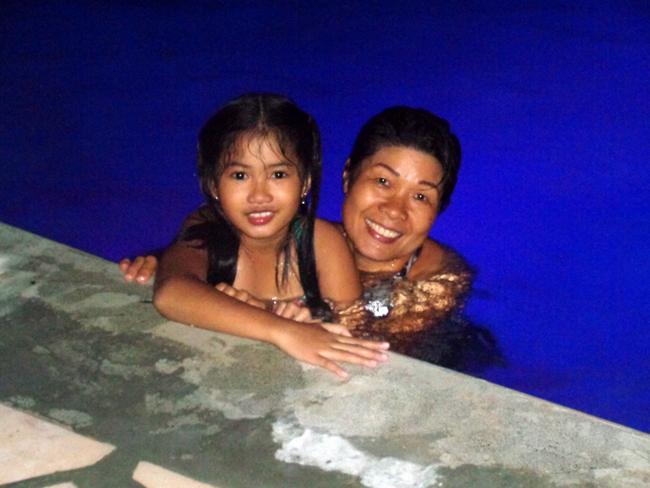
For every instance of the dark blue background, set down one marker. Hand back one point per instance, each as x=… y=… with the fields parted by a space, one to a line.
x=101 y=102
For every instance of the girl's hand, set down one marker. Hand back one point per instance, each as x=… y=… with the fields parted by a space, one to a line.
x=141 y=269
x=336 y=329
x=241 y=295
x=293 y=311
x=313 y=344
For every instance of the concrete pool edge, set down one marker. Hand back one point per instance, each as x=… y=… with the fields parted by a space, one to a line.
x=94 y=356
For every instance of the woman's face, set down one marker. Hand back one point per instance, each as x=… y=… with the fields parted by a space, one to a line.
x=390 y=208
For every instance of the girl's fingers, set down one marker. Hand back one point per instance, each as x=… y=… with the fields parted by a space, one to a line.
x=367 y=344
x=289 y=310
x=337 y=329
x=334 y=368
x=303 y=315
x=353 y=357
x=361 y=352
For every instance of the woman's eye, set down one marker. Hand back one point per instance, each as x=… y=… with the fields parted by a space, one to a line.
x=420 y=197
x=382 y=181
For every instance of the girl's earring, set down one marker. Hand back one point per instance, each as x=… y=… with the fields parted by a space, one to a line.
x=303 y=200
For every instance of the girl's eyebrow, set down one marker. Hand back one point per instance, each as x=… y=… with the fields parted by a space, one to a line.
x=236 y=163
x=396 y=173
x=279 y=164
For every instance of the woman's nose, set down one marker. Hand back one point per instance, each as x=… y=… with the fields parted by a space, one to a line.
x=394 y=207
x=259 y=192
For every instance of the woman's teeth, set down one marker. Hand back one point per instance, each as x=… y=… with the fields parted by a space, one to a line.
x=382 y=231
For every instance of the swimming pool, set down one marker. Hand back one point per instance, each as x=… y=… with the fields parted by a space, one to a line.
x=101 y=103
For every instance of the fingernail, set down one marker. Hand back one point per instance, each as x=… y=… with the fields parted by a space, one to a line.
x=128 y=277
x=371 y=364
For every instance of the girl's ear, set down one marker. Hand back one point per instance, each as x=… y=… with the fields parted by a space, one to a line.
x=306 y=187
x=213 y=190
x=346 y=175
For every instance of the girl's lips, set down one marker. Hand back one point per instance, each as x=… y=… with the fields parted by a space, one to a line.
x=381 y=233
x=260 y=218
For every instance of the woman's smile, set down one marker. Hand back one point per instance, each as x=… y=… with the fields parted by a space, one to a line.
x=382 y=233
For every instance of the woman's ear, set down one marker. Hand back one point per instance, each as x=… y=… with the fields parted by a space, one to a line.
x=346 y=175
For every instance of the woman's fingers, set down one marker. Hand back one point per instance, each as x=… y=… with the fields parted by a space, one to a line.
x=131 y=268
x=147 y=269
x=140 y=269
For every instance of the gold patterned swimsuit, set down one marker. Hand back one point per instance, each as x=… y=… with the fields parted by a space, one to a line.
x=423 y=319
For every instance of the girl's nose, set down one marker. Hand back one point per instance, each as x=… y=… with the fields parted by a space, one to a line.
x=260 y=193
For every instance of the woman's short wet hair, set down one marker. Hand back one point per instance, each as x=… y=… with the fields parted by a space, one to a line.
x=413 y=128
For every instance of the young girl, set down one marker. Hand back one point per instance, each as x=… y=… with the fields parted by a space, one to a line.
x=259 y=167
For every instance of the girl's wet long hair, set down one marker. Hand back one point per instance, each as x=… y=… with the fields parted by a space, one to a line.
x=298 y=138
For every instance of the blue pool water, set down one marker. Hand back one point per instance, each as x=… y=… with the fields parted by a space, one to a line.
x=101 y=101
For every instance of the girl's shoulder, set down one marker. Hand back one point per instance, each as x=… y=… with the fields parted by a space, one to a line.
x=326 y=229
x=328 y=226
x=437 y=260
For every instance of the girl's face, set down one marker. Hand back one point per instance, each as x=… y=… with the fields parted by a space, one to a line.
x=389 y=210
x=260 y=189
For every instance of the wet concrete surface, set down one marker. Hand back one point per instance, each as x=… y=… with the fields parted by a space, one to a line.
x=179 y=406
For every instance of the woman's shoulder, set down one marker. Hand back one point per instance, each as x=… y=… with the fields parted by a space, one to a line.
x=438 y=260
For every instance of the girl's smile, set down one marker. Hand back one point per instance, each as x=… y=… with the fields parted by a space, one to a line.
x=260 y=218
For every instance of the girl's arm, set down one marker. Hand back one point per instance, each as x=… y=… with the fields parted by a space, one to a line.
x=338 y=276
x=181 y=294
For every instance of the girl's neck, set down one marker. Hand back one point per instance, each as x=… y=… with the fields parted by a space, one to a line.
x=263 y=247
x=259 y=271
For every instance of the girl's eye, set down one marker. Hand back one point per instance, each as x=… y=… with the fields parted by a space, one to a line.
x=382 y=181
x=279 y=174
x=420 y=197
x=239 y=175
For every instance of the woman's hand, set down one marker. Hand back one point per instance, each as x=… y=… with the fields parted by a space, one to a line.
x=241 y=295
x=141 y=269
x=315 y=345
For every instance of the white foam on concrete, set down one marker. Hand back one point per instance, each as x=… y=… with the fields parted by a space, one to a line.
x=31 y=447
x=334 y=453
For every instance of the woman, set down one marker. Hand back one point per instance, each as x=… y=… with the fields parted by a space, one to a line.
x=399 y=177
